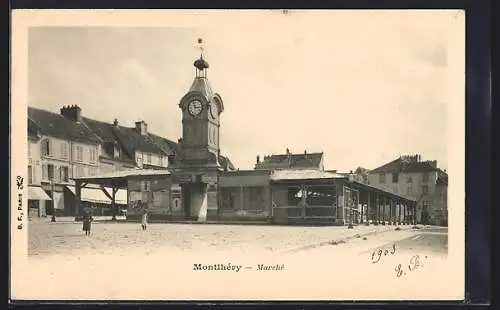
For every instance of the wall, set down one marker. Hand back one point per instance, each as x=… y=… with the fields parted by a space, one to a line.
x=236 y=180
x=63 y=153
x=34 y=160
x=159 y=160
x=108 y=165
x=154 y=190
x=402 y=188
x=87 y=165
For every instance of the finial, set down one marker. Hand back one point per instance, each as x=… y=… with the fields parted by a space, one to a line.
x=200 y=46
x=201 y=64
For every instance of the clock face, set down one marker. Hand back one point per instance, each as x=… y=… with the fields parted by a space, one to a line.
x=195 y=107
x=213 y=110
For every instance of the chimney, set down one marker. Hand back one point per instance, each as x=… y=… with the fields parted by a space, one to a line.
x=141 y=127
x=287 y=151
x=258 y=159
x=73 y=113
x=115 y=122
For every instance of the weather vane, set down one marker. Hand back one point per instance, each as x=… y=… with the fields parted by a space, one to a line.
x=200 y=46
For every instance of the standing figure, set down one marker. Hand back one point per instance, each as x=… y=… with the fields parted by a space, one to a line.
x=144 y=220
x=87 y=223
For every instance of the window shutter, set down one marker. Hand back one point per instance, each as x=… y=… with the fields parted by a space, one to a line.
x=44 y=147
x=44 y=172
x=57 y=173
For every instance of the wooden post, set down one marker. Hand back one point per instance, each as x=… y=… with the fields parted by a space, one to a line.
x=78 y=195
x=415 y=213
x=241 y=197
x=303 y=201
x=383 y=209
x=368 y=207
x=406 y=214
x=399 y=213
x=362 y=209
x=391 y=203
x=377 y=208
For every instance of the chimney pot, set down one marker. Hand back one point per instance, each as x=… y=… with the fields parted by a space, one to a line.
x=73 y=113
x=115 y=122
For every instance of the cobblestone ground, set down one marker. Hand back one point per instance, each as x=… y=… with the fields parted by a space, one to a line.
x=47 y=238
x=120 y=261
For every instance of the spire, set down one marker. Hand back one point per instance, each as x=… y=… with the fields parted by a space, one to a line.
x=201 y=64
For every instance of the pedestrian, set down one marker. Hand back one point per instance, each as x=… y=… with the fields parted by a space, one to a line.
x=144 y=220
x=87 y=223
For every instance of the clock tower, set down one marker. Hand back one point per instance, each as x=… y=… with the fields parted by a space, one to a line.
x=201 y=108
x=197 y=167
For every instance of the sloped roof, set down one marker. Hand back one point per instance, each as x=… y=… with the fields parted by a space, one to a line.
x=442 y=177
x=127 y=173
x=292 y=161
x=399 y=165
x=106 y=132
x=224 y=160
x=201 y=84
x=361 y=170
x=132 y=140
x=302 y=174
x=56 y=125
x=168 y=147
x=128 y=138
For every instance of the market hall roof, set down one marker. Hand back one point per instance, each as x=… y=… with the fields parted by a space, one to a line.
x=302 y=174
x=122 y=174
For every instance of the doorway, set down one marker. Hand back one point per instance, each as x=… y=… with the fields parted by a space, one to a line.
x=186 y=190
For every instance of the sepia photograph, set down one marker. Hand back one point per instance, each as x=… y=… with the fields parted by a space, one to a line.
x=238 y=155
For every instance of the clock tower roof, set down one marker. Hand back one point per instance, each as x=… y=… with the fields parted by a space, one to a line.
x=201 y=85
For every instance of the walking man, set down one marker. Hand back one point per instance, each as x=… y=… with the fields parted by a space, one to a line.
x=87 y=223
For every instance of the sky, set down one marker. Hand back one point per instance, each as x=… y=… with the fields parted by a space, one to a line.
x=362 y=87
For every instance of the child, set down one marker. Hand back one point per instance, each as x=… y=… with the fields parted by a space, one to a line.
x=144 y=220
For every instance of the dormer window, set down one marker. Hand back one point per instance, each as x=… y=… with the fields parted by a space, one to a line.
x=116 y=151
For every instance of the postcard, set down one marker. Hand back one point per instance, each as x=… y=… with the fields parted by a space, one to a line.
x=237 y=155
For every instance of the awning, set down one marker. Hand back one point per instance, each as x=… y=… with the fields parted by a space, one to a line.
x=97 y=195
x=37 y=193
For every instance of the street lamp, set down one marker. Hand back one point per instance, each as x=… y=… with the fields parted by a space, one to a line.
x=52 y=185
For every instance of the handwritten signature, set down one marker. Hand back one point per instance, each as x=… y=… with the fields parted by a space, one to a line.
x=379 y=253
x=415 y=263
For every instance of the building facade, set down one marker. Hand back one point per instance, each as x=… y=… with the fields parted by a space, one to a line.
x=416 y=179
x=190 y=179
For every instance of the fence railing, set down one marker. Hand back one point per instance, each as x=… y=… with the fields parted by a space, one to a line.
x=305 y=212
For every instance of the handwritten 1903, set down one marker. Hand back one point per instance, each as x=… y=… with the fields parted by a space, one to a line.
x=379 y=253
